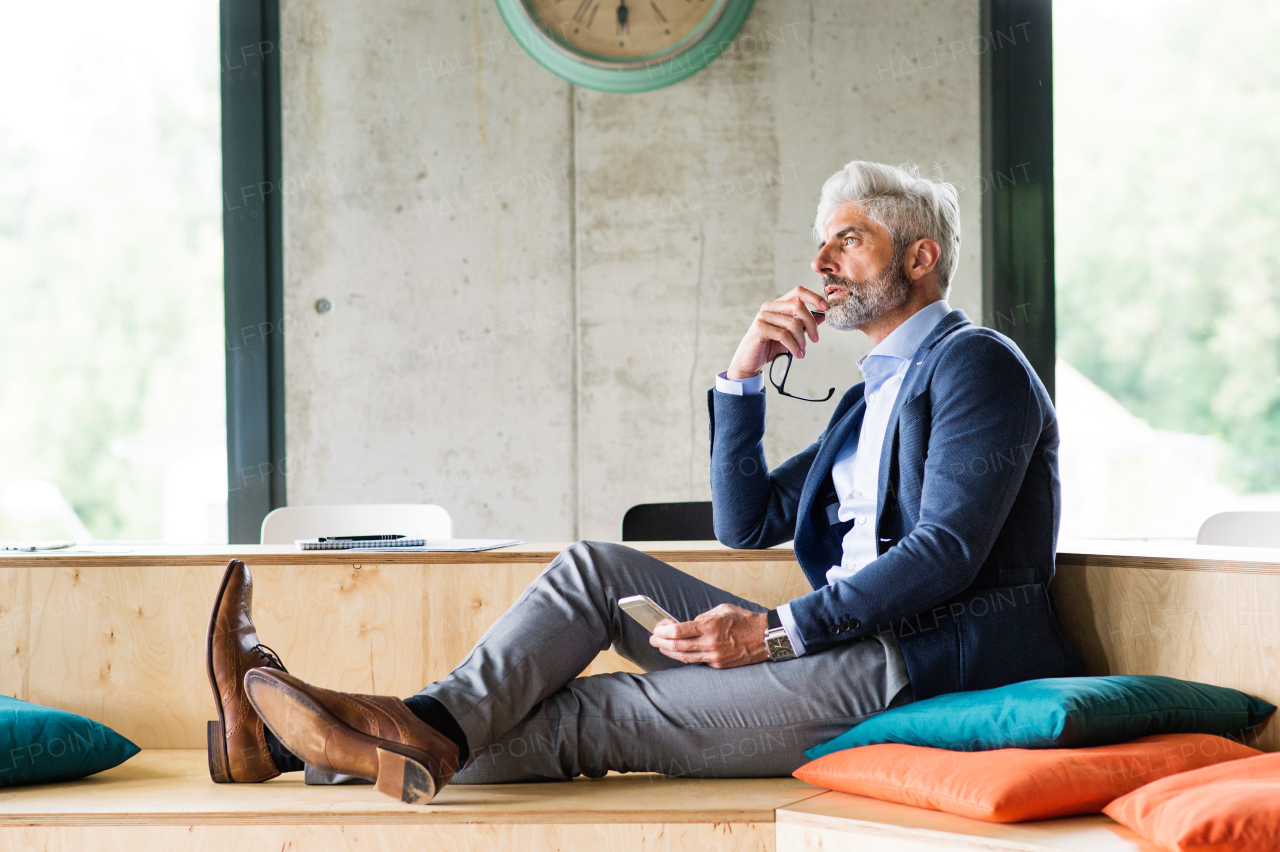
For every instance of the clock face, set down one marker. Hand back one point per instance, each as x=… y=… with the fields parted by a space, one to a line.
x=622 y=29
x=624 y=46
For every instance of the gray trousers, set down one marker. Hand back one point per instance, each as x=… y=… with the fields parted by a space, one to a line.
x=528 y=717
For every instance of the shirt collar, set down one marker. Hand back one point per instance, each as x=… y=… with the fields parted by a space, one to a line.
x=904 y=340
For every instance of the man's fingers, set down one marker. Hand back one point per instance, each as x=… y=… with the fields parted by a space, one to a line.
x=805 y=302
x=687 y=646
x=715 y=661
x=681 y=657
x=813 y=301
x=799 y=309
x=810 y=298
x=785 y=329
x=781 y=337
x=667 y=629
x=691 y=656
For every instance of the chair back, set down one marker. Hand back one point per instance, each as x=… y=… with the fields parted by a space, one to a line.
x=419 y=520
x=669 y=522
x=1241 y=529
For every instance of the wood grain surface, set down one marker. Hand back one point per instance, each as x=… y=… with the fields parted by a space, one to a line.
x=1192 y=619
x=122 y=641
x=120 y=638
x=436 y=837
x=172 y=787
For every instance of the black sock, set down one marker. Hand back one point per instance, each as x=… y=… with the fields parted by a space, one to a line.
x=285 y=760
x=434 y=714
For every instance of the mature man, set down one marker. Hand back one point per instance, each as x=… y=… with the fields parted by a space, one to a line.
x=925 y=516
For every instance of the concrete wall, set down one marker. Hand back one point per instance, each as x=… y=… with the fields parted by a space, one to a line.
x=534 y=285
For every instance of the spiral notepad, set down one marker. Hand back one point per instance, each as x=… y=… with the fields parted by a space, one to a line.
x=317 y=544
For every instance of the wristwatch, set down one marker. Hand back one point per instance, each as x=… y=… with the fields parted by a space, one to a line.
x=776 y=641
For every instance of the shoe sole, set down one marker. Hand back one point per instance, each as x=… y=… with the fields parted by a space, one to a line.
x=397 y=771
x=216 y=731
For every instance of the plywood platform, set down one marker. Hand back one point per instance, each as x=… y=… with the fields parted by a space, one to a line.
x=172 y=786
x=838 y=822
x=1208 y=614
x=120 y=637
x=163 y=798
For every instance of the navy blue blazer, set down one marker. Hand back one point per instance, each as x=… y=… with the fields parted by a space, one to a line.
x=967 y=522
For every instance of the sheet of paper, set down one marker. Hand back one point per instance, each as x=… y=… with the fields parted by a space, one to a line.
x=34 y=546
x=69 y=551
x=444 y=545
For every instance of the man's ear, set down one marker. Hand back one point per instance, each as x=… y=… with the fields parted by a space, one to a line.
x=921 y=258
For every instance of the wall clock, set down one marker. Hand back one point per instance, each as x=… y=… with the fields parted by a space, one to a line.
x=624 y=46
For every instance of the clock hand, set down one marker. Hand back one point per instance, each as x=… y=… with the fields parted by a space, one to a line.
x=623 y=14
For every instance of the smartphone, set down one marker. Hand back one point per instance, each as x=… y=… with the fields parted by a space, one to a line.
x=644 y=610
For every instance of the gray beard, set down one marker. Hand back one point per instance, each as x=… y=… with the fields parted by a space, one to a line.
x=867 y=300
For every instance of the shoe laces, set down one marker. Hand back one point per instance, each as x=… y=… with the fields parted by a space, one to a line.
x=270 y=656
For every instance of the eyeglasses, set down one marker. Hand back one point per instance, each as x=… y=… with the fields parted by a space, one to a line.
x=781 y=385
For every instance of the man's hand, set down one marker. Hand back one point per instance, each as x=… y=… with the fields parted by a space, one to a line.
x=780 y=326
x=723 y=637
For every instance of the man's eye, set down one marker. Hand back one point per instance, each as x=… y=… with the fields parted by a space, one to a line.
x=848 y=240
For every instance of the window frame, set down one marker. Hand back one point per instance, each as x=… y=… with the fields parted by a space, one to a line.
x=1017 y=161
x=253 y=264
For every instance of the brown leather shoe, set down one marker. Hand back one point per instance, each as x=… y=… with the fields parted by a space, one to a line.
x=374 y=737
x=237 y=742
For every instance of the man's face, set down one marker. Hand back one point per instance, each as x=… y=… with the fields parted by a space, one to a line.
x=861 y=278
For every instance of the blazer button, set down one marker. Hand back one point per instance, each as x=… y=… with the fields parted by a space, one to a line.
x=833 y=630
x=855 y=624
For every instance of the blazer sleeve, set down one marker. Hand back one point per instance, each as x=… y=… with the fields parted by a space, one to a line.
x=752 y=506
x=983 y=405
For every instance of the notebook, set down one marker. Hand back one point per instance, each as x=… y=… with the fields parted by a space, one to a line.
x=347 y=544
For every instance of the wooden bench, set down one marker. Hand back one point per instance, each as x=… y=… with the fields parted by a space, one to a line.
x=162 y=799
x=836 y=822
x=119 y=638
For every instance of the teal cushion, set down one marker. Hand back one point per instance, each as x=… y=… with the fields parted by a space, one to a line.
x=39 y=744
x=1063 y=712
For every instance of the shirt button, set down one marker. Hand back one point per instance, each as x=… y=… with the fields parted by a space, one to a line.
x=856 y=494
x=872 y=398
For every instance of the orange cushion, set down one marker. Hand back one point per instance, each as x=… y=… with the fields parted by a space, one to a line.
x=1014 y=784
x=1235 y=806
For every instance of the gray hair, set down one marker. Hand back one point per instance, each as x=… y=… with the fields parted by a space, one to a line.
x=909 y=206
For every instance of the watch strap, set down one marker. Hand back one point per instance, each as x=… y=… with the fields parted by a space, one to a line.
x=775 y=620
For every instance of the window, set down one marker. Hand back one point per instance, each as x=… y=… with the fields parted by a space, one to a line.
x=1167 y=209
x=111 y=257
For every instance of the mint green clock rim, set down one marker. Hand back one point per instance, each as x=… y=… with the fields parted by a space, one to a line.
x=625 y=81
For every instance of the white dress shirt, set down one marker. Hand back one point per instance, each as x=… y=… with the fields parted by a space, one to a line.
x=856 y=472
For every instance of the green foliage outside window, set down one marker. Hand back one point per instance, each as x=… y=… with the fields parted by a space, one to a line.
x=1167 y=133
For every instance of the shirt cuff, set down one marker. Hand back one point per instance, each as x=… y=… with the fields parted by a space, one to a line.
x=740 y=387
x=789 y=625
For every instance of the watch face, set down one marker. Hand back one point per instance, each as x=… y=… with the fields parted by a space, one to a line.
x=622 y=29
x=778 y=645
